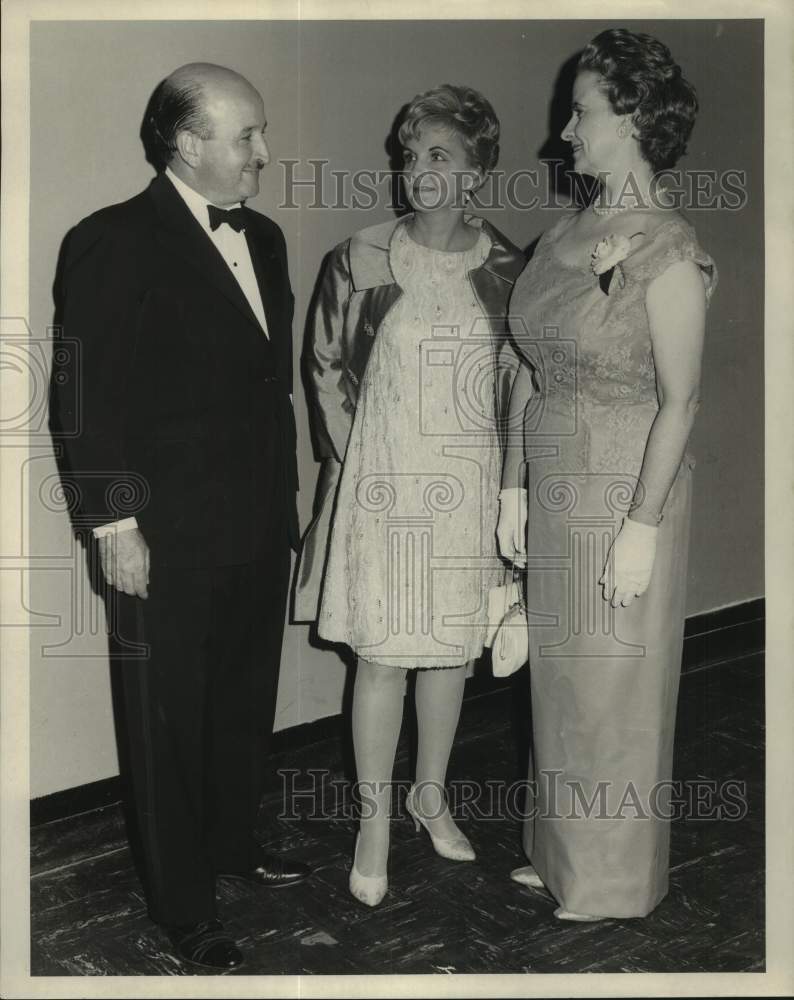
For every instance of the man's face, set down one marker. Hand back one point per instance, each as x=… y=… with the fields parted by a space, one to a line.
x=227 y=170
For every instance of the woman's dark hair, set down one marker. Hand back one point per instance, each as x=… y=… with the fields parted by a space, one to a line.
x=173 y=107
x=640 y=78
x=463 y=110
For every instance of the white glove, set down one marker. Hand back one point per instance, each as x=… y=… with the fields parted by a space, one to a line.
x=511 y=528
x=629 y=564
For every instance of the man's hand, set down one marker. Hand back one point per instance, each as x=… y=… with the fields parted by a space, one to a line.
x=125 y=561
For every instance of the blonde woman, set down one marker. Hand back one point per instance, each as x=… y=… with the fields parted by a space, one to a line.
x=413 y=458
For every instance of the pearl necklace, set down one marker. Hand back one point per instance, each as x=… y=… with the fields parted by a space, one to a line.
x=608 y=209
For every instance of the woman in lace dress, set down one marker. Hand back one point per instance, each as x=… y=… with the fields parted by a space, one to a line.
x=614 y=301
x=407 y=327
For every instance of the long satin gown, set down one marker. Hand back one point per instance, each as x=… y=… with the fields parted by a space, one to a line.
x=604 y=681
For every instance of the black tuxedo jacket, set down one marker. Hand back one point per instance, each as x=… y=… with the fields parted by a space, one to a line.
x=168 y=401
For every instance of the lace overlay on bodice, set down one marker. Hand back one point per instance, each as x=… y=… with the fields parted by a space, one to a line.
x=591 y=351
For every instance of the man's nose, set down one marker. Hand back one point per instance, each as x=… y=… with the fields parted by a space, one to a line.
x=262 y=150
x=567 y=133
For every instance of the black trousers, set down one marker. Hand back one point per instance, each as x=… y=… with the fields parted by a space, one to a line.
x=199 y=713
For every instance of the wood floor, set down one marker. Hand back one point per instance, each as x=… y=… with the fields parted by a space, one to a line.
x=89 y=918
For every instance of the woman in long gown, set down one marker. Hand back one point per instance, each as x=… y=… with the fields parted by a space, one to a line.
x=613 y=302
x=406 y=332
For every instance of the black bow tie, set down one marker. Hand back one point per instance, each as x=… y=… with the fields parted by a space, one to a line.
x=233 y=216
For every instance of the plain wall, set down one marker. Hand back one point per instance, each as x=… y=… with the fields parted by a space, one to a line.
x=331 y=91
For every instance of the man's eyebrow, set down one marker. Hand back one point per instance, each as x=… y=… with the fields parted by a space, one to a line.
x=253 y=128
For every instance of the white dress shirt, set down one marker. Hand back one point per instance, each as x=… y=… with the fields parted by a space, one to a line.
x=233 y=247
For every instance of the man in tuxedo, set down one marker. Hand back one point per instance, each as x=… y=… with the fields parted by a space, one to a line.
x=184 y=472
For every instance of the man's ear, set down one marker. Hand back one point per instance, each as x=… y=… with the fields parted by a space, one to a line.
x=187 y=147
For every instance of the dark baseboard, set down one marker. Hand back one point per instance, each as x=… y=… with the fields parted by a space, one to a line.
x=711 y=638
x=727 y=634
x=73 y=801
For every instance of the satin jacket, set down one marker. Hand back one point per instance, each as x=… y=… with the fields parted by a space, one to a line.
x=357 y=291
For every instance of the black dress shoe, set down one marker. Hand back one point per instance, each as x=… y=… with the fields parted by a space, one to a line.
x=206 y=944
x=273 y=871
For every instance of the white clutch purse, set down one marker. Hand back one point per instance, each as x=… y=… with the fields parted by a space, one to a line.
x=507 y=627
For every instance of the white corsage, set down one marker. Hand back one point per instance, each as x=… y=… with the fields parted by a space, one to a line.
x=609 y=252
x=606 y=259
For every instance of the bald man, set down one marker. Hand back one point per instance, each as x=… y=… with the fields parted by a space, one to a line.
x=183 y=476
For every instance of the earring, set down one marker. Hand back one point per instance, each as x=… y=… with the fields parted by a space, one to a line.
x=623 y=131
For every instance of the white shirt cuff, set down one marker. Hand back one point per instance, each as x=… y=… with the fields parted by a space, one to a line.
x=123 y=525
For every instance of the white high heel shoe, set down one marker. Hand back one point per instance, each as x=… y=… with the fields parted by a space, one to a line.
x=368 y=889
x=527 y=876
x=585 y=918
x=454 y=848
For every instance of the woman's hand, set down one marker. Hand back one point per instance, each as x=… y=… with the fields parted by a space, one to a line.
x=629 y=564
x=511 y=528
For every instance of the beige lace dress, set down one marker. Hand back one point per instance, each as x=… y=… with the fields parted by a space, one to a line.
x=412 y=551
x=604 y=681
